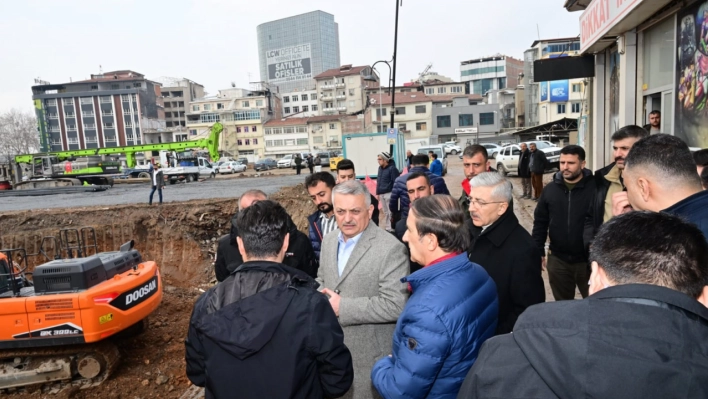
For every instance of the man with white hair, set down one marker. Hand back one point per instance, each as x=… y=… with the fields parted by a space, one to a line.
x=361 y=267
x=504 y=248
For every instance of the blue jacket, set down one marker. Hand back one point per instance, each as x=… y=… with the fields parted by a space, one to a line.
x=314 y=227
x=451 y=312
x=436 y=167
x=694 y=209
x=386 y=177
x=400 y=191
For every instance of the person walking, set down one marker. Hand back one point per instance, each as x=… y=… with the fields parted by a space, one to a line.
x=436 y=167
x=311 y=163
x=523 y=170
x=384 y=184
x=158 y=182
x=298 y=163
x=409 y=158
x=537 y=165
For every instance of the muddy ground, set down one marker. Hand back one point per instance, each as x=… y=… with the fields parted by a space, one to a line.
x=181 y=237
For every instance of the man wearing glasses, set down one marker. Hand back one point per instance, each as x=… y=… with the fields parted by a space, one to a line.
x=504 y=248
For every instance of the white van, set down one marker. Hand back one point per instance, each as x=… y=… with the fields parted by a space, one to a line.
x=438 y=149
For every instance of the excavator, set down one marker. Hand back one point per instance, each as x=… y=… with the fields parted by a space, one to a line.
x=94 y=165
x=59 y=320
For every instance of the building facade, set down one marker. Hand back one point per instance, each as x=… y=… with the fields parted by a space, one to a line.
x=464 y=119
x=293 y=50
x=342 y=90
x=491 y=73
x=300 y=103
x=177 y=94
x=286 y=136
x=111 y=109
x=413 y=114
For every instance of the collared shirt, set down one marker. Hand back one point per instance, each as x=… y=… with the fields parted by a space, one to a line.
x=345 y=250
x=329 y=224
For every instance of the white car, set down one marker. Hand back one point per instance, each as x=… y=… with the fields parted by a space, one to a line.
x=507 y=160
x=232 y=167
x=453 y=149
x=491 y=148
x=286 y=162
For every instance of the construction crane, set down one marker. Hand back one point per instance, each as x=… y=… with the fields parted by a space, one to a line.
x=425 y=71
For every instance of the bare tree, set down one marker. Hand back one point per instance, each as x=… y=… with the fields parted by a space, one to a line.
x=18 y=133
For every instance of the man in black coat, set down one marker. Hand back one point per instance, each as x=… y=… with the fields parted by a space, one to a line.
x=537 y=165
x=640 y=334
x=300 y=254
x=504 y=248
x=265 y=332
x=560 y=214
x=523 y=170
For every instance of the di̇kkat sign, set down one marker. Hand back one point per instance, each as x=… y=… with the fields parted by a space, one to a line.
x=289 y=64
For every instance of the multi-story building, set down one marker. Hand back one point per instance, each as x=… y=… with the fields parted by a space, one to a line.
x=286 y=136
x=491 y=73
x=440 y=88
x=177 y=94
x=111 y=109
x=505 y=100
x=302 y=103
x=293 y=50
x=464 y=118
x=342 y=90
x=326 y=132
x=242 y=113
x=413 y=114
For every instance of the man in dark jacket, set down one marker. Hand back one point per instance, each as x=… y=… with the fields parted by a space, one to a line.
x=400 y=201
x=346 y=172
x=384 y=184
x=322 y=222
x=523 y=170
x=298 y=163
x=299 y=256
x=504 y=248
x=310 y=163
x=560 y=214
x=640 y=334
x=660 y=176
x=537 y=165
x=266 y=321
x=451 y=312
x=475 y=160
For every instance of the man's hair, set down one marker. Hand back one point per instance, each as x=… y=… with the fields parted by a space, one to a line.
x=345 y=164
x=573 y=149
x=435 y=156
x=262 y=228
x=667 y=156
x=502 y=188
x=442 y=216
x=669 y=252
x=655 y=112
x=700 y=157
x=420 y=160
x=416 y=175
x=704 y=178
x=251 y=193
x=315 y=179
x=630 y=131
x=352 y=187
x=474 y=149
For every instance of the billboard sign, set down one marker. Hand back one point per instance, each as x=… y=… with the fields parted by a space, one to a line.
x=289 y=64
x=544 y=91
x=559 y=91
x=602 y=15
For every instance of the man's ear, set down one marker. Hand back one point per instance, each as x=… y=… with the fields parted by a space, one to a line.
x=432 y=189
x=502 y=208
x=286 y=242
x=645 y=188
x=241 y=249
x=371 y=211
x=703 y=298
x=598 y=279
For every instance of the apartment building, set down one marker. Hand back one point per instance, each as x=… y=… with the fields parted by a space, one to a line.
x=491 y=73
x=286 y=136
x=326 y=132
x=413 y=114
x=300 y=103
x=342 y=90
x=243 y=114
x=464 y=118
x=439 y=88
x=110 y=109
x=177 y=94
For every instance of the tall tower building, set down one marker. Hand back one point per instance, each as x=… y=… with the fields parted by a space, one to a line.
x=293 y=50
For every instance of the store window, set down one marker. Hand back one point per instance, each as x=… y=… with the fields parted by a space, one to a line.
x=659 y=46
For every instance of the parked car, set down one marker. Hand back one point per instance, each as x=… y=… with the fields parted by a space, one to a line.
x=453 y=148
x=243 y=160
x=265 y=164
x=507 y=159
x=438 y=149
x=324 y=158
x=287 y=161
x=232 y=167
x=492 y=149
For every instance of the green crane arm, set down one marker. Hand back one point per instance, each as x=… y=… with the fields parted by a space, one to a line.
x=211 y=143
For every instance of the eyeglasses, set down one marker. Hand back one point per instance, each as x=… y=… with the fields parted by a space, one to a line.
x=480 y=203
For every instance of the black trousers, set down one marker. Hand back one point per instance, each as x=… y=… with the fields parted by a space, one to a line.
x=564 y=277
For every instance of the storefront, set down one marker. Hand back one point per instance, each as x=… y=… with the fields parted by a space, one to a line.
x=650 y=55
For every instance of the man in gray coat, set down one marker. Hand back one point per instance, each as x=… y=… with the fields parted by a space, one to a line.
x=361 y=267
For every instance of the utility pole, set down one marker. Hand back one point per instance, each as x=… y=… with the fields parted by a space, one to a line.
x=393 y=80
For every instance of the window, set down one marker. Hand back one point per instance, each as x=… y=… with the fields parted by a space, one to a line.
x=94 y=87
x=421 y=126
x=305 y=108
x=245 y=129
x=402 y=127
x=456 y=89
x=429 y=90
x=209 y=118
x=255 y=141
x=318 y=140
x=351 y=92
x=138 y=84
x=313 y=97
x=69 y=114
x=114 y=86
x=52 y=102
x=314 y=107
x=575 y=108
x=70 y=127
x=239 y=142
x=332 y=126
x=128 y=124
x=238 y=129
x=479 y=71
x=400 y=110
x=278 y=143
x=248 y=141
x=301 y=142
x=486 y=118
x=304 y=97
x=466 y=120
x=286 y=99
x=219 y=105
x=68 y=101
x=253 y=128
x=125 y=97
x=192 y=132
x=108 y=125
x=247 y=115
x=286 y=110
x=296 y=109
x=259 y=103
x=195 y=108
x=246 y=104
x=561 y=108
x=420 y=109
x=444 y=121
x=442 y=90
x=576 y=88
x=295 y=98
x=207 y=107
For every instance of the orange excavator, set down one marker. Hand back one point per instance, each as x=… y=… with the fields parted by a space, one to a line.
x=58 y=325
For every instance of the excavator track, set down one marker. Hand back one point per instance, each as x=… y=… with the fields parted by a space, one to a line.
x=82 y=366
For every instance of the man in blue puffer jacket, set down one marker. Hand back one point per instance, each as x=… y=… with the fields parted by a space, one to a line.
x=419 y=163
x=451 y=312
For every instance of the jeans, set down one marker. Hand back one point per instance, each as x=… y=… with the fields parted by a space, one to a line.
x=384 y=201
x=159 y=192
x=564 y=277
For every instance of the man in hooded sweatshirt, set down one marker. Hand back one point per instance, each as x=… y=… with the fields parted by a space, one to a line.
x=300 y=254
x=265 y=331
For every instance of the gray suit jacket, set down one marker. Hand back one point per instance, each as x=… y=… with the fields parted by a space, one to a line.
x=373 y=297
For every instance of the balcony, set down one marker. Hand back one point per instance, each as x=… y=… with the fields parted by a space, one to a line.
x=341 y=97
x=341 y=108
x=340 y=85
x=87 y=114
x=328 y=87
x=326 y=98
x=329 y=110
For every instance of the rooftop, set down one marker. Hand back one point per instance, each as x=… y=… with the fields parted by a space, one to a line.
x=344 y=70
x=448 y=98
x=558 y=40
x=287 y=122
x=401 y=98
x=495 y=57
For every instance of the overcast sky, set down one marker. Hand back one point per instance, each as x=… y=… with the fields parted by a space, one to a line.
x=213 y=42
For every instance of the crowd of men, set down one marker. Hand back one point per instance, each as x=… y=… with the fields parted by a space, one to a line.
x=445 y=298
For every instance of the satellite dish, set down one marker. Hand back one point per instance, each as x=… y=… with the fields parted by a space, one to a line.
x=372 y=101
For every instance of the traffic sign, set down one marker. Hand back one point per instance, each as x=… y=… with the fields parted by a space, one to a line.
x=391 y=136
